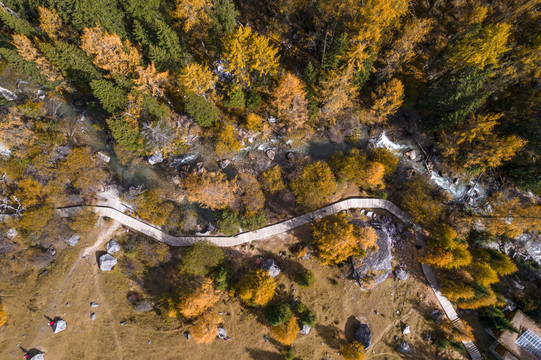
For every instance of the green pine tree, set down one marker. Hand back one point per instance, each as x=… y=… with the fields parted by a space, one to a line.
x=111 y=97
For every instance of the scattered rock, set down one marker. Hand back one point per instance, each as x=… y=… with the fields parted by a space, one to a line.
x=72 y=241
x=437 y=315
x=455 y=181
x=290 y=155
x=404 y=347
x=406 y=330
x=143 y=306
x=122 y=323
x=103 y=156
x=363 y=335
x=58 y=326
x=224 y=163
x=369 y=214
x=305 y=330
x=271 y=119
x=270 y=266
x=187 y=335
x=92 y=316
x=429 y=165
x=148 y=342
x=221 y=333
x=410 y=173
x=410 y=154
x=155 y=159
x=11 y=233
x=94 y=305
x=270 y=154
x=112 y=246
x=107 y=262
x=266 y=338
x=401 y=274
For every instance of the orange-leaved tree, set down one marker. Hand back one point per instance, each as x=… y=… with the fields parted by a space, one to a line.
x=353 y=351
x=3 y=316
x=289 y=101
x=314 y=185
x=286 y=333
x=256 y=288
x=205 y=328
x=210 y=189
x=197 y=300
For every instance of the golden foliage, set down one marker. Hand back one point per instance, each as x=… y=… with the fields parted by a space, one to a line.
x=252 y=198
x=337 y=93
x=419 y=202
x=483 y=273
x=197 y=300
x=387 y=99
x=205 y=328
x=476 y=146
x=456 y=290
x=248 y=53
x=272 y=180
x=197 y=78
x=353 y=351
x=337 y=239
x=149 y=80
x=387 y=158
x=511 y=216
x=30 y=192
x=29 y=52
x=374 y=175
x=3 y=316
x=110 y=53
x=15 y=133
x=486 y=298
x=227 y=143
x=192 y=13
x=152 y=205
x=481 y=47
x=50 y=23
x=210 y=189
x=368 y=238
x=289 y=100
x=314 y=185
x=256 y=288
x=286 y=333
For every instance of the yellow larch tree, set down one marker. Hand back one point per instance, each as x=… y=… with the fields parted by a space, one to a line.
x=272 y=180
x=511 y=216
x=337 y=93
x=314 y=185
x=353 y=351
x=387 y=99
x=198 y=79
x=227 y=143
x=286 y=333
x=205 y=328
x=248 y=55
x=481 y=47
x=51 y=23
x=289 y=101
x=29 y=52
x=374 y=174
x=195 y=301
x=252 y=199
x=110 y=53
x=256 y=288
x=191 y=13
x=149 y=80
x=368 y=238
x=210 y=189
x=336 y=239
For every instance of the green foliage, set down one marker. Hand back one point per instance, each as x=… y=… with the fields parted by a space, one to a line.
x=17 y=25
x=290 y=353
x=254 y=222
x=153 y=107
x=202 y=257
x=229 y=222
x=306 y=315
x=452 y=98
x=221 y=277
x=305 y=279
x=27 y=68
x=278 y=314
x=494 y=319
x=314 y=185
x=201 y=110
x=223 y=20
x=310 y=75
x=334 y=55
x=253 y=100
x=112 y=98
x=236 y=99
x=126 y=135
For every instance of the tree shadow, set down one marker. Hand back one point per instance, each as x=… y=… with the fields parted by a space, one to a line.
x=258 y=354
x=331 y=335
x=351 y=325
x=292 y=268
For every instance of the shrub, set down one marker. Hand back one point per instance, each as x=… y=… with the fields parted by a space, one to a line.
x=256 y=289
x=278 y=314
x=286 y=333
x=201 y=110
x=221 y=277
x=353 y=351
x=229 y=222
x=202 y=257
x=236 y=99
x=305 y=279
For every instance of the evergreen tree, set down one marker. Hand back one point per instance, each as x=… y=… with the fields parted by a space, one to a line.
x=111 y=97
x=18 y=25
x=201 y=110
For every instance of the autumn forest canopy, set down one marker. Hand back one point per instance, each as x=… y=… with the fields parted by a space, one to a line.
x=235 y=96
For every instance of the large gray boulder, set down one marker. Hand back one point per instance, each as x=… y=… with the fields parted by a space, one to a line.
x=107 y=262
x=305 y=329
x=270 y=266
x=143 y=306
x=112 y=247
x=222 y=333
x=37 y=357
x=363 y=335
x=58 y=326
x=404 y=347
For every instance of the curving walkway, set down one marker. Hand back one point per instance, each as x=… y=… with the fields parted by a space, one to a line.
x=287 y=225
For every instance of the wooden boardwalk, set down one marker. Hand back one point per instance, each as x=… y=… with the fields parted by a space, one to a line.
x=287 y=225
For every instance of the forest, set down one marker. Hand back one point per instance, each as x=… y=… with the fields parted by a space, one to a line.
x=158 y=79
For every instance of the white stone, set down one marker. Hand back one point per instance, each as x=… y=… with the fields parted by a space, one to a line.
x=112 y=247
x=107 y=262
x=58 y=326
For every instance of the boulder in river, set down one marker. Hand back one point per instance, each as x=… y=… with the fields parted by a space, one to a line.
x=270 y=154
x=363 y=335
x=107 y=262
x=410 y=154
